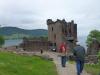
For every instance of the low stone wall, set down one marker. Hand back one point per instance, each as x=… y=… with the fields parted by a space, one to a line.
x=34 y=45
x=91 y=59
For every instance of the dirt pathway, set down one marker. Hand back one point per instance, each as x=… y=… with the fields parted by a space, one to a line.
x=70 y=69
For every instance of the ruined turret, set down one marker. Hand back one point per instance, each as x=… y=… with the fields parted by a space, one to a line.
x=61 y=31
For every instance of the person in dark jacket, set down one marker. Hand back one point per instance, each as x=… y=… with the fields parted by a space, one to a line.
x=41 y=51
x=79 y=52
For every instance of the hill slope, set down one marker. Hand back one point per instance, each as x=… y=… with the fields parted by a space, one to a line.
x=9 y=31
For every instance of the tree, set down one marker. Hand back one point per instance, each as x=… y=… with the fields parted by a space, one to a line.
x=44 y=38
x=99 y=56
x=1 y=40
x=93 y=34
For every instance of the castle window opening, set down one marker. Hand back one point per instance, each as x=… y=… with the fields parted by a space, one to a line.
x=52 y=28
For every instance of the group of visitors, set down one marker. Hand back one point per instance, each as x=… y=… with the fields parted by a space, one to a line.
x=78 y=52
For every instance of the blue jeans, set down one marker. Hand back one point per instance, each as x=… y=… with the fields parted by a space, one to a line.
x=79 y=66
x=63 y=61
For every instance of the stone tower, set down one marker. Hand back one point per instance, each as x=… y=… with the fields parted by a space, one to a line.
x=61 y=31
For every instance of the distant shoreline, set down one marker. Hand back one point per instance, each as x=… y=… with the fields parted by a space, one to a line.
x=12 y=42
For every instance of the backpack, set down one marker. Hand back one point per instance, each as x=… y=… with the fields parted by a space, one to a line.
x=79 y=52
x=62 y=48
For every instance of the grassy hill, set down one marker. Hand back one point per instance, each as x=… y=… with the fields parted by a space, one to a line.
x=14 y=32
x=12 y=64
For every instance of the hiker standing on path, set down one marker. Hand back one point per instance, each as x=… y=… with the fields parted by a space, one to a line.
x=63 y=51
x=41 y=51
x=79 y=53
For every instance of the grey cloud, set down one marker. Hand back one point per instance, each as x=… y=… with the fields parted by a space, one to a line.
x=32 y=14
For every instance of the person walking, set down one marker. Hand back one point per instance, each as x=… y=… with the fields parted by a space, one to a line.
x=41 y=51
x=79 y=53
x=63 y=51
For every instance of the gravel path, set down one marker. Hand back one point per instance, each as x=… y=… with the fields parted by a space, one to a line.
x=70 y=69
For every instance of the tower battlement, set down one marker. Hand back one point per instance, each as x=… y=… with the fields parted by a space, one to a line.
x=60 y=31
x=49 y=21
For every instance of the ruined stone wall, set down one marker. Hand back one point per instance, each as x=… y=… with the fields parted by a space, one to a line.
x=34 y=45
x=59 y=30
x=55 y=33
x=94 y=48
x=92 y=51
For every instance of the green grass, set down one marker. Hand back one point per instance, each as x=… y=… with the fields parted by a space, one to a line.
x=94 y=69
x=71 y=62
x=12 y=64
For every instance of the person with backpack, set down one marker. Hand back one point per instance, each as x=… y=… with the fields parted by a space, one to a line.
x=63 y=51
x=79 y=53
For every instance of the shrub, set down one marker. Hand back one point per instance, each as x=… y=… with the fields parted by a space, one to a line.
x=1 y=40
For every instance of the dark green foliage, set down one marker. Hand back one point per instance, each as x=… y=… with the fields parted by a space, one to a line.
x=99 y=55
x=93 y=34
x=45 y=38
x=2 y=40
x=94 y=69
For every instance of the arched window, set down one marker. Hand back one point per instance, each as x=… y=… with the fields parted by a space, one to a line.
x=52 y=28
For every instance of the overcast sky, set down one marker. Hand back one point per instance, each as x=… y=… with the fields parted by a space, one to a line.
x=32 y=14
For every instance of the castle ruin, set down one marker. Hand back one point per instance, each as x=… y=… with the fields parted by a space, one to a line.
x=58 y=32
x=61 y=31
x=34 y=45
x=92 y=51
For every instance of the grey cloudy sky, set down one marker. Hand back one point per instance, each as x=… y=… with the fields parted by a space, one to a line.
x=32 y=14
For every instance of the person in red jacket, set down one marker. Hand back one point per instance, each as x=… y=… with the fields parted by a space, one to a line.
x=63 y=51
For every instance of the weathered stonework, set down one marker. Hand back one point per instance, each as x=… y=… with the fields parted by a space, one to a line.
x=94 y=48
x=61 y=31
x=58 y=32
x=34 y=45
x=92 y=51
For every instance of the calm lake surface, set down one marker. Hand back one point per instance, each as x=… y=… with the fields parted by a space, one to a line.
x=12 y=42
